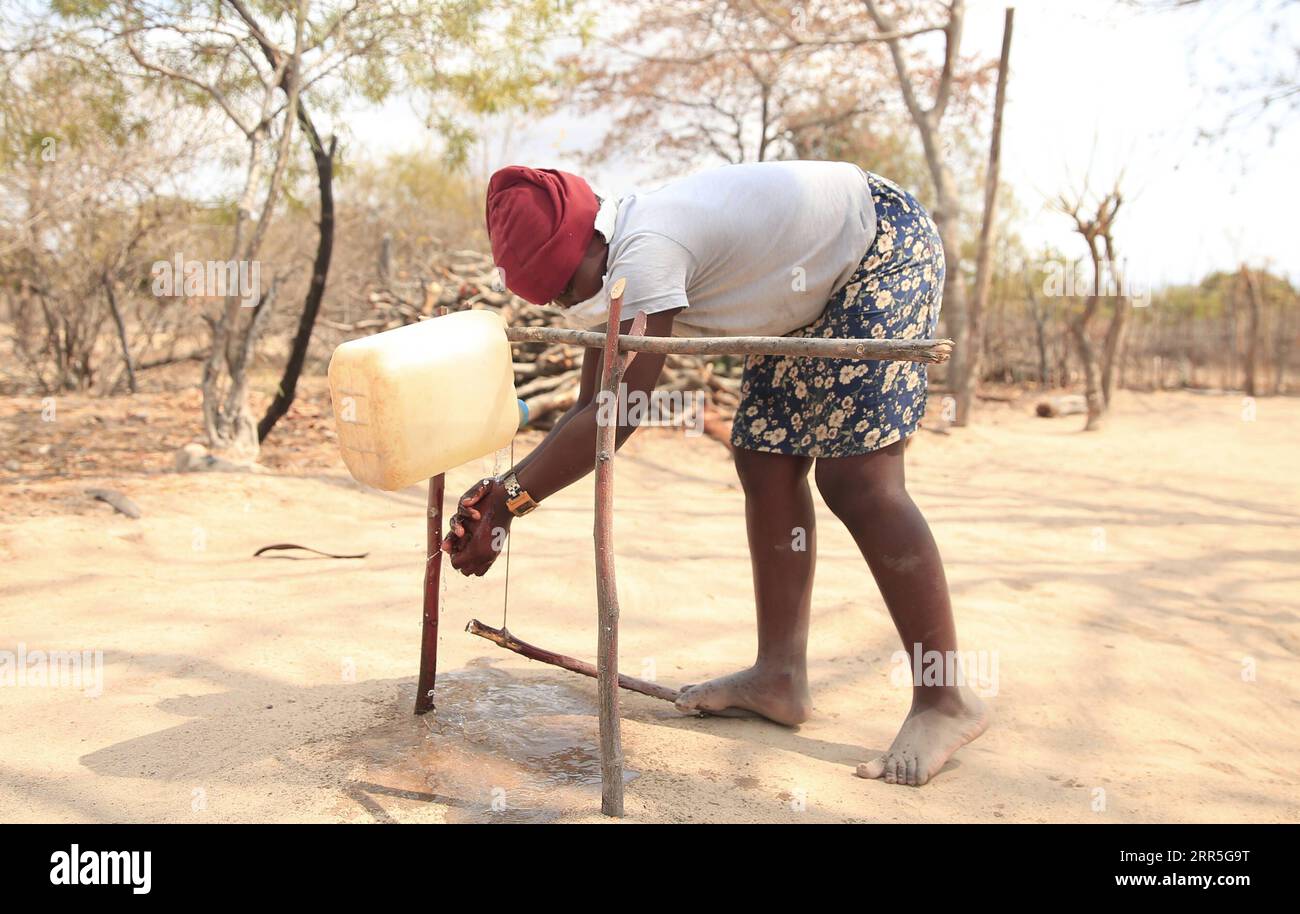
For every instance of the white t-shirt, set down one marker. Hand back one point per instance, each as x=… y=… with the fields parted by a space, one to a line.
x=753 y=249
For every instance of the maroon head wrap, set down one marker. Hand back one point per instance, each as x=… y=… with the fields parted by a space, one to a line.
x=540 y=222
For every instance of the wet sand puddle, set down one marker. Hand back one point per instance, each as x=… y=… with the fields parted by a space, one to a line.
x=497 y=749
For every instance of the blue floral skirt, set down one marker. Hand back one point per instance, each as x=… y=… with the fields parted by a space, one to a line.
x=846 y=407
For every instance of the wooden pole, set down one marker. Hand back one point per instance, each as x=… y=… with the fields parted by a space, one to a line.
x=611 y=739
x=893 y=350
x=502 y=638
x=432 y=597
x=968 y=374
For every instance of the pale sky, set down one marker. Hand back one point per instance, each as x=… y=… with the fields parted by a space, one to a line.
x=1092 y=81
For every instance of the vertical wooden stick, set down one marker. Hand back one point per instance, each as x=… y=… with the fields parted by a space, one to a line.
x=432 y=597
x=611 y=740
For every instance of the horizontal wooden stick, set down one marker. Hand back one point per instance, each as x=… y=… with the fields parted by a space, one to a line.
x=813 y=347
x=502 y=638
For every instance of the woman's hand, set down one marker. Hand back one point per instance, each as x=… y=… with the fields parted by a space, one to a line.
x=478 y=528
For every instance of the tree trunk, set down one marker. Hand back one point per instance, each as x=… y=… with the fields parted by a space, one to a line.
x=1112 y=350
x=1230 y=373
x=1097 y=234
x=1255 y=304
x=953 y=304
x=1282 y=348
x=1040 y=333
x=1091 y=372
x=290 y=84
x=1063 y=358
x=229 y=426
x=121 y=331
x=966 y=376
x=947 y=209
x=229 y=421
x=1039 y=314
x=288 y=387
x=1080 y=328
x=235 y=424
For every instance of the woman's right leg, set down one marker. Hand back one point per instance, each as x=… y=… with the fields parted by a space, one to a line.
x=780 y=524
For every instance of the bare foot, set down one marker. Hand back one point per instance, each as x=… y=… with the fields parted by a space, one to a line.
x=779 y=696
x=927 y=739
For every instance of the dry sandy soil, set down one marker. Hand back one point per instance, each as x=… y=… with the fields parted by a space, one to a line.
x=1136 y=588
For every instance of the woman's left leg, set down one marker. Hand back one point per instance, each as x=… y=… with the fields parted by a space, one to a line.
x=869 y=495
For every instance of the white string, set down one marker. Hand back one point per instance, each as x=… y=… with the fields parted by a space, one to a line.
x=505 y=594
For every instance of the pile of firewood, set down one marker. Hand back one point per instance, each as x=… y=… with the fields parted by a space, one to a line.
x=547 y=379
x=546 y=376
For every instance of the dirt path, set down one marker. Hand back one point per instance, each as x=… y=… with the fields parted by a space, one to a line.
x=1128 y=585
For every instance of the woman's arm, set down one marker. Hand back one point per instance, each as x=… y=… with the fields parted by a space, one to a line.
x=588 y=381
x=570 y=452
x=566 y=455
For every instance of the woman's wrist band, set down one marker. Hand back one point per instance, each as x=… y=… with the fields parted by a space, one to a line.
x=518 y=501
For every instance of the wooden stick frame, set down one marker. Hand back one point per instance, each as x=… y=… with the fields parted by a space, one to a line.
x=432 y=580
x=502 y=637
x=618 y=352
x=613 y=364
x=934 y=351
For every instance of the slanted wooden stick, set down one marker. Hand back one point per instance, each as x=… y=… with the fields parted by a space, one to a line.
x=432 y=597
x=502 y=638
x=894 y=350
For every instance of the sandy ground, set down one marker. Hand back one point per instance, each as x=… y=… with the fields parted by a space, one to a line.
x=1136 y=589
